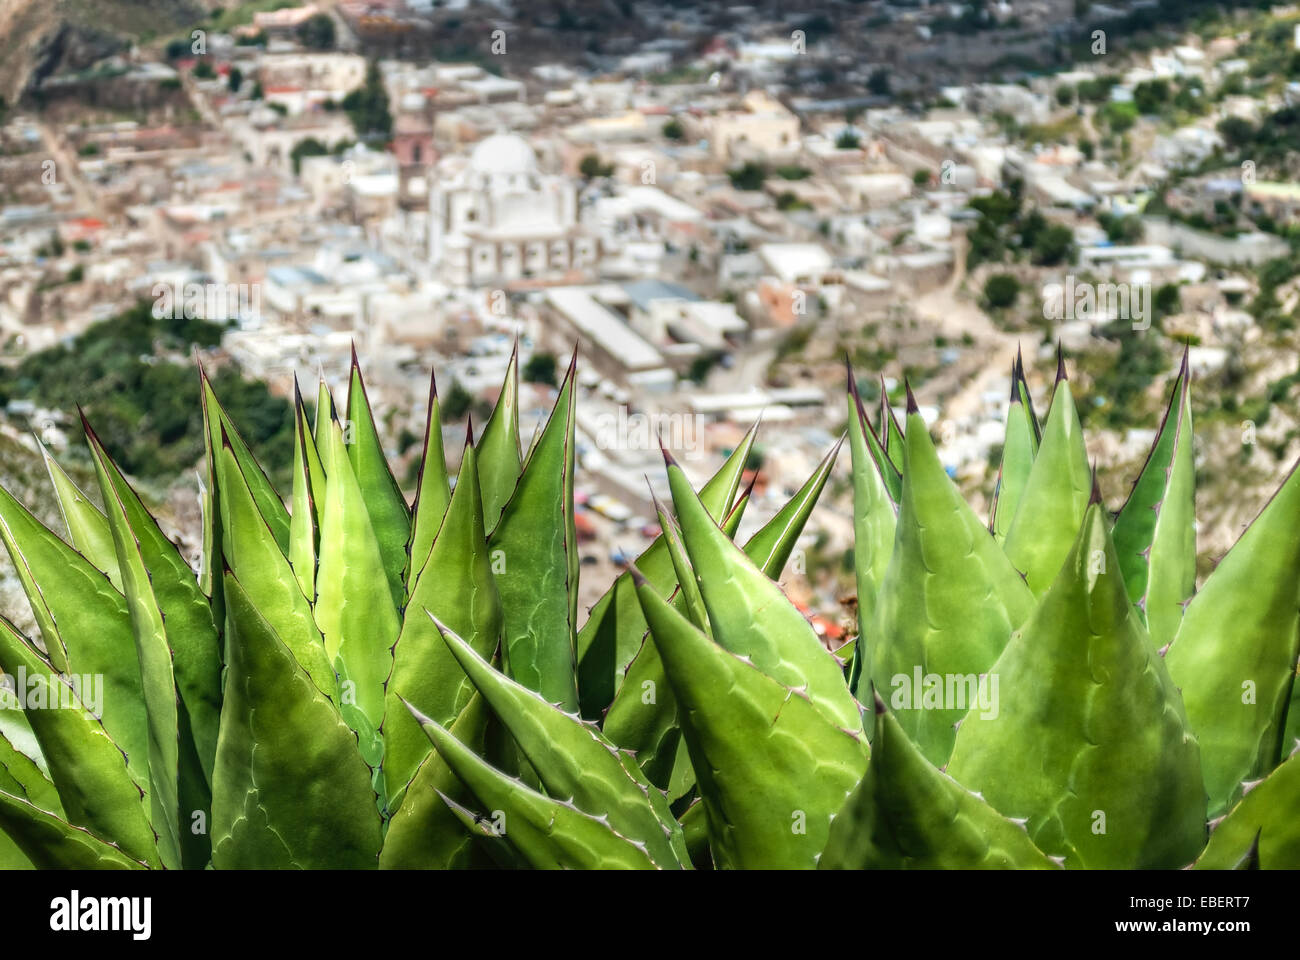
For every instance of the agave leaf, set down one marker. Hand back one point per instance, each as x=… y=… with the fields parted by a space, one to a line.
x=88 y=530
x=772 y=545
x=890 y=431
x=906 y=814
x=390 y=517
x=256 y=561
x=158 y=681
x=1155 y=530
x=498 y=447
x=949 y=600
x=534 y=556
x=95 y=787
x=51 y=843
x=20 y=774
x=1234 y=657
x=1055 y=496
x=573 y=760
x=1266 y=816
x=615 y=629
x=432 y=492
x=83 y=620
x=308 y=498
x=354 y=607
x=549 y=834
x=424 y=833
x=877 y=486
x=222 y=433
x=695 y=831
x=455 y=584
x=687 y=594
x=643 y=717
x=291 y=788
x=772 y=769
x=751 y=615
x=1018 y=452
x=191 y=634
x=1092 y=712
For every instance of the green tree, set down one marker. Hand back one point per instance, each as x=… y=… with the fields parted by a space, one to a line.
x=591 y=167
x=367 y=107
x=310 y=147
x=457 y=403
x=878 y=82
x=749 y=176
x=540 y=368
x=673 y=130
x=1001 y=290
x=317 y=32
x=848 y=140
x=203 y=71
x=235 y=79
x=1054 y=246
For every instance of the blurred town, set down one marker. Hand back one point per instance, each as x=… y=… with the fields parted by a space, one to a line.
x=716 y=205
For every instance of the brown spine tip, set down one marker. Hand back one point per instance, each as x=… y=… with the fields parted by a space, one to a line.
x=878 y=703
x=1015 y=380
x=355 y=362
x=911 y=397
x=638 y=579
x=573 y=361
x=1095 y=497
x=433 y=385
x=1060 y=363
x=1184 y=366
x=669 y=459
x=849 y=378
x=469 y=429
x=749 y=488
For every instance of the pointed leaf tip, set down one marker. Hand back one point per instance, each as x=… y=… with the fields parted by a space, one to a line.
x=911 y=397
x=1060 y=363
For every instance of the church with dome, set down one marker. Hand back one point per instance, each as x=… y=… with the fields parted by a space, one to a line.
x=496 y=218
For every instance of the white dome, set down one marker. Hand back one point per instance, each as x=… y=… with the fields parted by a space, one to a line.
x=503 y=154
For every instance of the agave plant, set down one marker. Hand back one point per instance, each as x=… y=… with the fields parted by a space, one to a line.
x=352 y=683
x=281 y=705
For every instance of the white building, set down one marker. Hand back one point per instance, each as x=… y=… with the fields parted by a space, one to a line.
x=496 y=218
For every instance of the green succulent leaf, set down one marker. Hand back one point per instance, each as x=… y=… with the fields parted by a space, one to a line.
x=1234 y=656
x=424 y=833
x=1054 y=498
x=1018 y=452
x=949 y=601
x=291 y=789
x=499 y=447
x=890 y=431
x=250 y=551
x=454 y=584
x=354 y=607
x=534 y=555
x=615 y=629
x=51 y=843
x=549 y=834
x=432 y=491
x=390 y=517
x=751 y=615
x=89 y=769
x=88 y=530
x=574 y=760
x=643 y=717
x=1089 y=712
x=772 y=769
x=1155 y=530
x=906 y=814
x=877 y=486
x=1267 y=814
x=222 y=434
x=308 y=498
x=158 y=680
